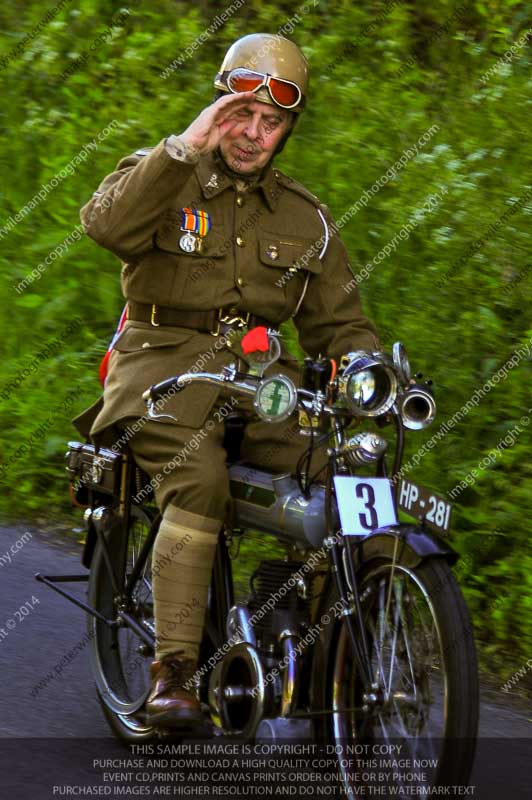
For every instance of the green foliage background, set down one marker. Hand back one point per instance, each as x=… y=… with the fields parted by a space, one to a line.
x=361 y=115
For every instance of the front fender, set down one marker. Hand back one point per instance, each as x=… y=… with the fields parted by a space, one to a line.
x=414 y=545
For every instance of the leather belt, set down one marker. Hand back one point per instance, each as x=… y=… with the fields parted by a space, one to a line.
x=216 y=322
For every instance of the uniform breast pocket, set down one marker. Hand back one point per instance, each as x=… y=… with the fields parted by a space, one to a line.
x=292 y=260
x=198 y=264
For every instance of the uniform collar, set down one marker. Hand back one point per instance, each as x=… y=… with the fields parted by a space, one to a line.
x=270 y=188
x=214 y=179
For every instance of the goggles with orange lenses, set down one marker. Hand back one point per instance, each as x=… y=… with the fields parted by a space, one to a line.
x=285 y=93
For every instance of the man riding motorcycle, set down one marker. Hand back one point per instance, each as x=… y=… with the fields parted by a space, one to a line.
x=213 y=240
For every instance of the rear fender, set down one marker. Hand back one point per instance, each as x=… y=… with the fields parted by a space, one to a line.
x=106 y=518
x=90 y=543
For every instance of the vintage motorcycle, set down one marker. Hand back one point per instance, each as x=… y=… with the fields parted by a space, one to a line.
x=360 y=634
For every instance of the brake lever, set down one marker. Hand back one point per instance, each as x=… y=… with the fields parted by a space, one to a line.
x=229 y=374
x=150 y=413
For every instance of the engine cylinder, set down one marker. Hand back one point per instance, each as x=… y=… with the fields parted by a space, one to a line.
x=278 y=508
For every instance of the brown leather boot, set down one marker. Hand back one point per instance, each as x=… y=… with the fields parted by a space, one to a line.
x=168 y=704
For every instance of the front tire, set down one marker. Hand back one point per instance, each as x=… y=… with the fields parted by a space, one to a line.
x=425 y=669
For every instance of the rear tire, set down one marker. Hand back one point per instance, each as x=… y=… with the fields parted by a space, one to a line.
x=119 y=661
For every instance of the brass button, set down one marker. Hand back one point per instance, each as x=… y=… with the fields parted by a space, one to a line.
x=240 y=281
x=273 y=252
x=146 y=344
x=240 y=242
x=240 y=201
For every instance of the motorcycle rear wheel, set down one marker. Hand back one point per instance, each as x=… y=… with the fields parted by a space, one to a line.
x=119 y=661
x=426 y=691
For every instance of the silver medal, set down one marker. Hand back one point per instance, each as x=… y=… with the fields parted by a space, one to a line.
x=188 y=242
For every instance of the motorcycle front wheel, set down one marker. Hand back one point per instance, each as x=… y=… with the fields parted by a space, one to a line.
x=423 y=706
x=119 y=659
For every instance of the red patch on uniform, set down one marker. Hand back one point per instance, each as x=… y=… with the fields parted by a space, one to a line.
x=255 y=339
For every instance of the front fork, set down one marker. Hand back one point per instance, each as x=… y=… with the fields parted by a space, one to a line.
x=345 y=577
x=352 y=609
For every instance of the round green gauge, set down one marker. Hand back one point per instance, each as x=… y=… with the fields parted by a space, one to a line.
x=276 y=398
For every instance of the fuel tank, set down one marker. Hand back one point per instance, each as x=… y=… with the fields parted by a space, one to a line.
x=274 y=504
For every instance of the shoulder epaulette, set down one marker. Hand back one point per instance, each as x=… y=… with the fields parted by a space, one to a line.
x=143 y=151
x=297 y=187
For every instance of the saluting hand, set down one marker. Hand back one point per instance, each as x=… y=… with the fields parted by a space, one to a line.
x=216 y=121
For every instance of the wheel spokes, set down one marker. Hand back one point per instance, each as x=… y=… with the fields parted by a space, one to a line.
x=403 y=641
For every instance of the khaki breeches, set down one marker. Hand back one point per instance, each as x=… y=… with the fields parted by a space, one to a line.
x=188 y=472
x=187 y=467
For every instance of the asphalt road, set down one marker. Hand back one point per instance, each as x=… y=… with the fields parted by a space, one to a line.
x=49 y=725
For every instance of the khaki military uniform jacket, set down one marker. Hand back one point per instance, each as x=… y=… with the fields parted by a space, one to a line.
x=270 y=251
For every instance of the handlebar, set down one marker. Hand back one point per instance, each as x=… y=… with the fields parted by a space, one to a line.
x=393 y=392
x=178 y=382
x=393 y=395
x=240 y=381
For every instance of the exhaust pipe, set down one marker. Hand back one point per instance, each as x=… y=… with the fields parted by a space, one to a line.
x=417 y=407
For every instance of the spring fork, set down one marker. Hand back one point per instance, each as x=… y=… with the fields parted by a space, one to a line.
x=361 y=653
x=358 y=609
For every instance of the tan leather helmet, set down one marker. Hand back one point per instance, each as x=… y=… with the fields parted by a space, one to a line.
x=274 y=57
